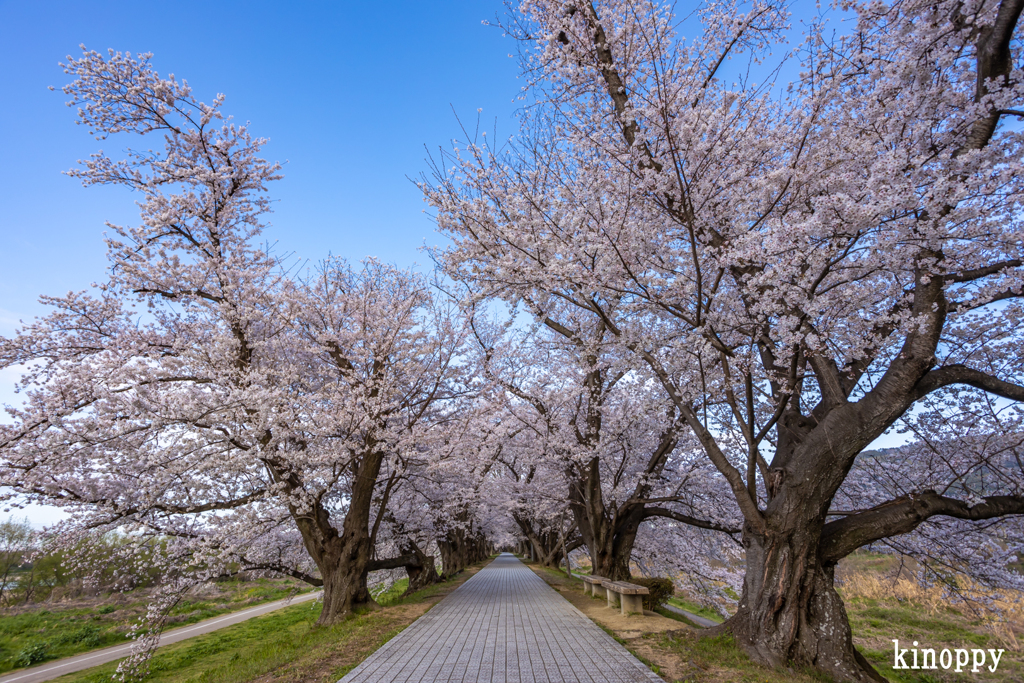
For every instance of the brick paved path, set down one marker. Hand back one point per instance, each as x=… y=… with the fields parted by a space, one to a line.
x=504 y=625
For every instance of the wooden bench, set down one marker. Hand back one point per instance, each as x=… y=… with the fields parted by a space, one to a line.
x=625 y=595
x=592 y=584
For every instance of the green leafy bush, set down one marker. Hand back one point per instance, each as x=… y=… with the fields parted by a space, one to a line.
x=32 y=655
x=660 y=590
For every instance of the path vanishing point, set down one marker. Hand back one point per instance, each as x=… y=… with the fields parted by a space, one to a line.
x=504 y=625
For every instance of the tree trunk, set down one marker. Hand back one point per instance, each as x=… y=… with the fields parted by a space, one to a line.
x=790 y=612
x=609 y=543
x=345 y=589
x=344 y=567
x=343 y=559
x=544 y=545
x=546 y=549
x=420 y=567
x=610 y=562
x=608 y=533
x=424 y=572
x=453 y=552
x=459 y=548
x=477 y=549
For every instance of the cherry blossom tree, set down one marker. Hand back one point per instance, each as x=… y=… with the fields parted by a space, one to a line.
x=707 y=566
x=966 y=447
x=204 y=394
x=799 y=266
x=597 y=437
x=532 y=492
x=456 y=484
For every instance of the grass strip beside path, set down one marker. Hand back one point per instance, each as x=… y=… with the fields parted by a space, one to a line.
x=53 y=632
x=285 y=645
x=689 y=655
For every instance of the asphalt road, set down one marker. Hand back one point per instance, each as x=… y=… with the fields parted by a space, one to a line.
x=700 y=621
x=51 y=670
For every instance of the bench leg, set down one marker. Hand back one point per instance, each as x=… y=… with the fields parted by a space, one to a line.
x=588 y=589
x=613 y=598
x=632 y=604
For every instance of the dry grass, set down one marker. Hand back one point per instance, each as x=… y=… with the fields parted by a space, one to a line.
x=670 y=646
x=867 y=578
x=884 y=600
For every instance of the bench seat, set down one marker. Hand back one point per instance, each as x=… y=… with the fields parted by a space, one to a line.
x=626 y=596
x=592 y=584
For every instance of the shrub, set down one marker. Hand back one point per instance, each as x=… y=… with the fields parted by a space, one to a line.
x=32 y=655
x=89 y=635
x=661 y=590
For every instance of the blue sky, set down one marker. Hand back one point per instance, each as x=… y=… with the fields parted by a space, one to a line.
x=349 y=93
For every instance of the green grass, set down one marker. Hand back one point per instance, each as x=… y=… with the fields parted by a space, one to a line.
x=240 y=652
x=253 y=648
x=718 y=658
x=560 y=574
x=393 y=594
x=675 y=617
x=45 y=634
x=286 y=642
x=910 y=624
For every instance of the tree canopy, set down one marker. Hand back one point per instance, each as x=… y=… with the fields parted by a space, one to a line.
x=679 y=307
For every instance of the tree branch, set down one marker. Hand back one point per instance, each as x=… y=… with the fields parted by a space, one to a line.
x=995 y=63
x=294 y=573
x=903 y=515
x=961 y=374
x=686 y=519
x=978 y=273
x=407 y=560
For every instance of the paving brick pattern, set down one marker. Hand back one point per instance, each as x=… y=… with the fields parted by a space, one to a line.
x=504 y=625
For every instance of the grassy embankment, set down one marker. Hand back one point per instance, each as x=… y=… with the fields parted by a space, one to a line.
x=882 y=604
x=285 y=645
x=34 y=634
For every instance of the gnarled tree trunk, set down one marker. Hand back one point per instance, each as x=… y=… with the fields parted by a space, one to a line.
x=453 y=552
x=345 y=589
x=343 y=559
x=789 y=611
x=423 y=571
